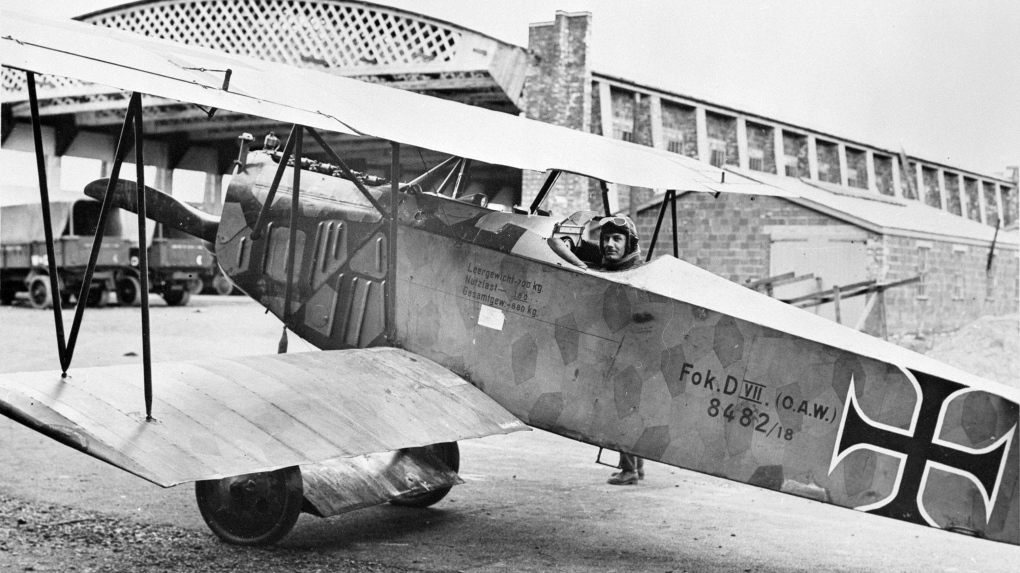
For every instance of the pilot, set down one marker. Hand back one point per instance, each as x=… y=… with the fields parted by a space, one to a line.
x=618 y=250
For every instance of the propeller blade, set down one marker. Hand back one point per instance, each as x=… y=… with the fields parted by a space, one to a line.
x=159 y=207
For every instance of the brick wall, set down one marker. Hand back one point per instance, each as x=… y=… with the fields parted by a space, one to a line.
x=953 y=193
x=908 y=180
x=642 y=136
x=991 y=203
x=883 y=174
x=828 y=161
x=1009 y=205
x=970 y=187
x=795 y=145
x=762 y=139
x=558 y=90
x=679 y=122
x=728 y=236
x=722 y=134
x=956 y=286
x=932 y=197
x=857 y=165
x=623 y=114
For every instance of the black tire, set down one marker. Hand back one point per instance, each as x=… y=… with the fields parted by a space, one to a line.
x=176 y=297
x=449 y=453
x=96 y=297
x=129 y=291
x=39 y=293
x=252 y=509
x=7 y=296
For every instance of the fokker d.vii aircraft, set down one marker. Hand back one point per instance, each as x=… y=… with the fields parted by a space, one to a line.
x=440 y=319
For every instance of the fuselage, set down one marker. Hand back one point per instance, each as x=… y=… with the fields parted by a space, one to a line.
x=666 y=361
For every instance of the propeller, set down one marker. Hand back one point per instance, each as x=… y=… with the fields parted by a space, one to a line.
x=159 y=207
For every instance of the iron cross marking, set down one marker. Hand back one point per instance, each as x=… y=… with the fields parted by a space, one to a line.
x=919 y=448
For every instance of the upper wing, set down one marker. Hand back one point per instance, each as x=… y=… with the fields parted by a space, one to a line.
x=308 y=97
x=217 y=418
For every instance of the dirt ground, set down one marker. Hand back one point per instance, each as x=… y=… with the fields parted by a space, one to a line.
x=532 y=502
x=988 y=347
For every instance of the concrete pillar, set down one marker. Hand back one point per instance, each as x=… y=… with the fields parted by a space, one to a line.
x=777 y=134
x=812 y=157
x=942 y=189
x=701 y=123
x=53 y=173
x=655 y=106
x=869 y=161
x=742 y=158
x=164 y=180
x=844 y=176
x=101 y=146
x=213 y=200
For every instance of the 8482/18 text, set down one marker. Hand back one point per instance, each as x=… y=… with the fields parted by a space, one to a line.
x=747 y=417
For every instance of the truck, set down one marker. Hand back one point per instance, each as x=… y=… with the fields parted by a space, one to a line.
x=179 y=265
x=23 y=260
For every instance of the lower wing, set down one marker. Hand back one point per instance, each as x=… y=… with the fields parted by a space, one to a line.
x=219 y=418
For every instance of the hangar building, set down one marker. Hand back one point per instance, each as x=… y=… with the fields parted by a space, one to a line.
x=858 y=211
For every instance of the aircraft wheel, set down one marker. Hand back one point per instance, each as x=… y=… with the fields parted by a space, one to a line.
x=39 y=293
x=449 y=453
x=252 y=509
x=129 y=291
x=177 y=297
x=223 y=285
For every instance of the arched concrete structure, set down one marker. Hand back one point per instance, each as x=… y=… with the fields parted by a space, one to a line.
x=356 y=39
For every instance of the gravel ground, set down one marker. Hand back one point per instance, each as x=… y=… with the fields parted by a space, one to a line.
x=534 y=502
x=36 y=536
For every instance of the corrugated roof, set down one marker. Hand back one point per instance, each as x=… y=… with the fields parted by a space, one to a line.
x=877 y=213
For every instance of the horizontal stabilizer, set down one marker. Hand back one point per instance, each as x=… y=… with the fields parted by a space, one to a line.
x=159 y=207
x=225 y=417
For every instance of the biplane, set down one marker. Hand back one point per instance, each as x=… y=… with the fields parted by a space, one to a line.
x=440 y=319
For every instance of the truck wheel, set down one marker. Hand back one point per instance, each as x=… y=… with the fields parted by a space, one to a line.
x=449 y=453
x=129 y=291
x=252 y=509
x=195 y=286
x=176 y=297
x=7 y=296
x=96 y=297
x=223 y=285
x=39 y=293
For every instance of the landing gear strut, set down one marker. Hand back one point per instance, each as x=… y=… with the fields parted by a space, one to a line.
x=449 y=454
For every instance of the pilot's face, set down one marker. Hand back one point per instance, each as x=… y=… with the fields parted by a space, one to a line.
x=614 y=246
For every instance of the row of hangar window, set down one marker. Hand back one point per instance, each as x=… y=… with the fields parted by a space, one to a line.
x=679 y=134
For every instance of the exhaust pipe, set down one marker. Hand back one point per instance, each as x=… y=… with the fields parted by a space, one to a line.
x=159 y=207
